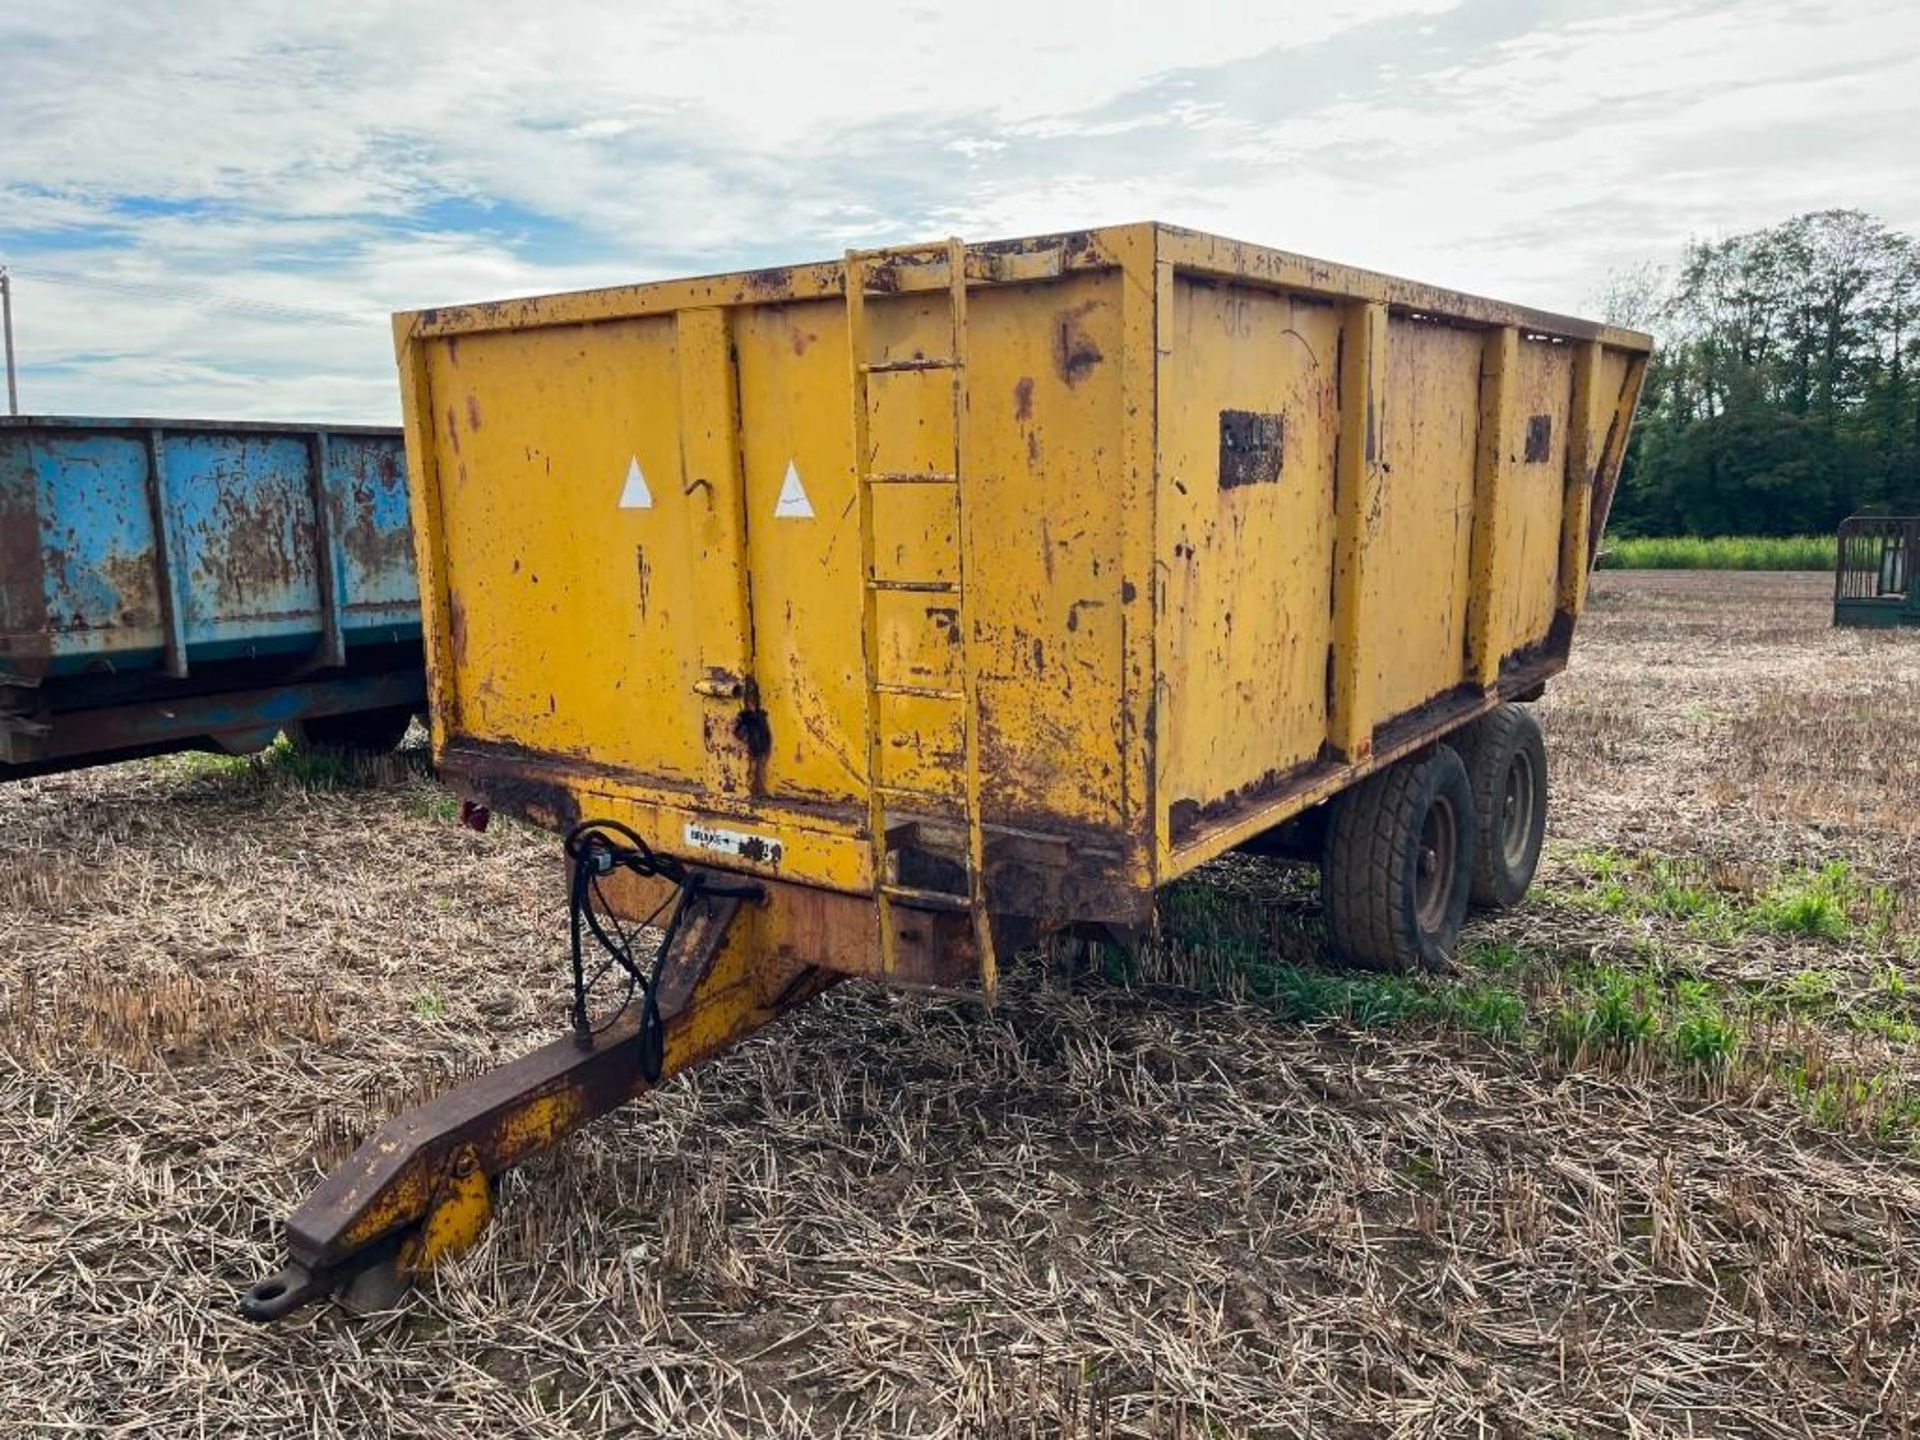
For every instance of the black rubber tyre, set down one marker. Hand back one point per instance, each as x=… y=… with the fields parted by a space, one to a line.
x=373 y=731
x=1506 y=759
x=1398 y=860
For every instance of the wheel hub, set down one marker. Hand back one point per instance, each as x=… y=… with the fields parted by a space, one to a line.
x=1433 y=869
x=1518 y=798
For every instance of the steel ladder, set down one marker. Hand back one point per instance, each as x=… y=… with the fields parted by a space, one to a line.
x=886 y=799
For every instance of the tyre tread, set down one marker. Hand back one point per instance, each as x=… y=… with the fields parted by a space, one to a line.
x=1369 y=846
x=1498 y=733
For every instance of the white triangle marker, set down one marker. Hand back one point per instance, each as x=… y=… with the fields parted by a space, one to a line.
x=635 y=495
x=793 y=503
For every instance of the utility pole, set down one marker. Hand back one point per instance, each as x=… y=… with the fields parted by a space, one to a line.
x=6 y=324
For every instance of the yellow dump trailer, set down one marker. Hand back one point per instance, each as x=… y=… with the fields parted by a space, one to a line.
x=874 y=616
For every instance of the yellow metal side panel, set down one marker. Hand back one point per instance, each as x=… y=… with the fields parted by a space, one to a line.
x=1535 y=496
x=1044 y=498
x=1614 y=365
x=805 y=569
x=1621 y=373
x=423 y=495
x=1246 y=547
x=570 y=615
x=1415 y=614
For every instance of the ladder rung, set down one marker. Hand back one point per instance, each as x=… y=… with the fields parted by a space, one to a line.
x=921 y=587
x=925 y=692
x=927 y=899
x=911 y=477
x=890 y=367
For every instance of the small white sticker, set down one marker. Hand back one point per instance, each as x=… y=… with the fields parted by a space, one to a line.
x=757 y=848
x=635 y=495
x=793 y=503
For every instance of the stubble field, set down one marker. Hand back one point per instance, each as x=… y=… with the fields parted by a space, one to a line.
x=1649 y=1163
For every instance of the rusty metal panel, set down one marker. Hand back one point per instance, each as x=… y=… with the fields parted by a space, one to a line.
x=1416 y=643
x=567 y=518
x=137 y=544
x=78 y=577
x=1207 y=589
x=1248 y=531
x=806 y=567
x=1455 y=538
x=366 y=490
x=1046 y=501
x=1535 y=498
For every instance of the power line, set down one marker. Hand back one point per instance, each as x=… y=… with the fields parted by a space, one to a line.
x=196 y=295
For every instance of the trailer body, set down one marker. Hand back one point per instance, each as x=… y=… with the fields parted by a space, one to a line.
x=168 y=584
x=1237 y=527
x=871 y=617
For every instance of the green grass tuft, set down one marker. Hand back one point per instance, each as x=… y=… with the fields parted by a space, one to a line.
x=1705 y=1035
x=1812 y=902
x=1829 y=903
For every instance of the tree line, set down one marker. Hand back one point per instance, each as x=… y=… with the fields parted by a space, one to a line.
x=1784 y=392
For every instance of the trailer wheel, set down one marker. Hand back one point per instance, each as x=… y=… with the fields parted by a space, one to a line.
x=1506 y=759
x=1397 y=864
x=372 y=731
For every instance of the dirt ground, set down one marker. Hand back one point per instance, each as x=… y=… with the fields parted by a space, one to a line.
x=1646 y=1165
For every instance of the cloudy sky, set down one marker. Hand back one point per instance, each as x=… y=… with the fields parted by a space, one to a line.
x=210 y=208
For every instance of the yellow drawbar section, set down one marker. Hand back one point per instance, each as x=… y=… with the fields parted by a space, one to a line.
x=1067 y=562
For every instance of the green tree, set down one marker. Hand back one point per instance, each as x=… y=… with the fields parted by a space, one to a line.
x=1785 y=392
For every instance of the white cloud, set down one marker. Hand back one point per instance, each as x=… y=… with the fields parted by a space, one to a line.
x=358 y=157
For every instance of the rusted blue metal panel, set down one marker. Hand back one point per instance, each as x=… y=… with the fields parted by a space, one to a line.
x=150 y=560
x=98 y=545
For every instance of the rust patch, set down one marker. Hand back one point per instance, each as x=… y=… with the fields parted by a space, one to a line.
x=1188 y=815
x=473 y=410
x=260 y=544
x=1075 y=352
x=1522 y=668
x=552 y=807
x=23 y=600
x=453 y=430
x=1073 y=611
x=1252 y=448
x=752 y=730
x=1060 y=875
x=135 y=586
x=1539 y=439
x=375 y=550
x=646 y=577
x=775 y=281
x=1023 y=398
x=498 y=775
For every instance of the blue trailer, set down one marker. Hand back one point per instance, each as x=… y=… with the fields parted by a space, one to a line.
x=171 y=585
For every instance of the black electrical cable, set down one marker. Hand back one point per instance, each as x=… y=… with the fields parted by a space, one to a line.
x=597 y=848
